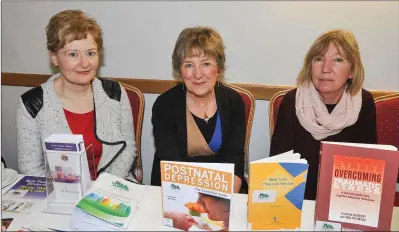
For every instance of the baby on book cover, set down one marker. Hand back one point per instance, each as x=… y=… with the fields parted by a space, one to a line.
x=197 y=196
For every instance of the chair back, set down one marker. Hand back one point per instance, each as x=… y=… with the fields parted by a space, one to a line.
x=387 y=108
x=396 y=202
x=136 y=98
x=249 y=102
x=274 y=105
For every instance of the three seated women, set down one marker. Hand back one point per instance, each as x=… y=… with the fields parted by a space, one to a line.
x=198 y=120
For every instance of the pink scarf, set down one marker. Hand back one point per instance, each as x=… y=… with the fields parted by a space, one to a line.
x=313 y=115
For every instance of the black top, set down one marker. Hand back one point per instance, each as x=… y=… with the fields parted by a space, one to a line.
x=206 y=129
x=330 y=107
x=290 y=135
x=170 y=130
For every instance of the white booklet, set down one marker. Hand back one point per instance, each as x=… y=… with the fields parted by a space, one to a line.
x=68 y=167
x=109 y=204
x=66 y=172
x=16 y=206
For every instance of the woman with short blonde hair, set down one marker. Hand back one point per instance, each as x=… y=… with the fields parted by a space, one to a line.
x=346 y=41
x=199 y=40
x=76 y=101
x=328 y=105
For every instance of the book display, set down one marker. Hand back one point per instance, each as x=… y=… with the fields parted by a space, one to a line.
x=67 y=171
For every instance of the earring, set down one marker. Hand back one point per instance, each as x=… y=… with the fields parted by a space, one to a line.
x=183 y=85
x=349 y=82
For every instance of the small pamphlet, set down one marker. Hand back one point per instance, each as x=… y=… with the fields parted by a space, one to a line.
x=29 y=187
x=65 y=171
x=30 y=227
x=16 y=206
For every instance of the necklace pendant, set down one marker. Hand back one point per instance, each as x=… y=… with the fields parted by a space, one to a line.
x=206 y=118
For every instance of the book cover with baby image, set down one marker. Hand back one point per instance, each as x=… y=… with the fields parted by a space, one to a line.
x=197 y=196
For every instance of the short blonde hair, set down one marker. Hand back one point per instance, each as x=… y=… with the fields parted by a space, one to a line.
x=70 y=25
x=198 y=41
x=341 y=39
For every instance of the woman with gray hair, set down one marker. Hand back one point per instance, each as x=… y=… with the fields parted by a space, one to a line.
x=199 y=120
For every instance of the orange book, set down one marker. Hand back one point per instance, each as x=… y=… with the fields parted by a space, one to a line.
x=356 y=188
x=276 y=192
x=197 y=196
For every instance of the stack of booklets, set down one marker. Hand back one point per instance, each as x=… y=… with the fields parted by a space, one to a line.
x=109 y=205
x=197 y=196
x=356 y=188
x=28 y=187
x=67 y=167
x=276 y=192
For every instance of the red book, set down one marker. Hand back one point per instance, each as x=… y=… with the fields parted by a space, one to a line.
x=356 y=187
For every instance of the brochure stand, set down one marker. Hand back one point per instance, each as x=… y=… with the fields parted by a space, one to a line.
x=67 y=179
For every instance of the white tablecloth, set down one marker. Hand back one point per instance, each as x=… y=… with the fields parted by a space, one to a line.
x=149 y=215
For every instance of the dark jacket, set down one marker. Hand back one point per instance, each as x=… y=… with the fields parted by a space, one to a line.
x=290 y=135
x=170 y=130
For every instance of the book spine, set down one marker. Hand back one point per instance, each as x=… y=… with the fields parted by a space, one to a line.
x=316 y=214
x=69 y=147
